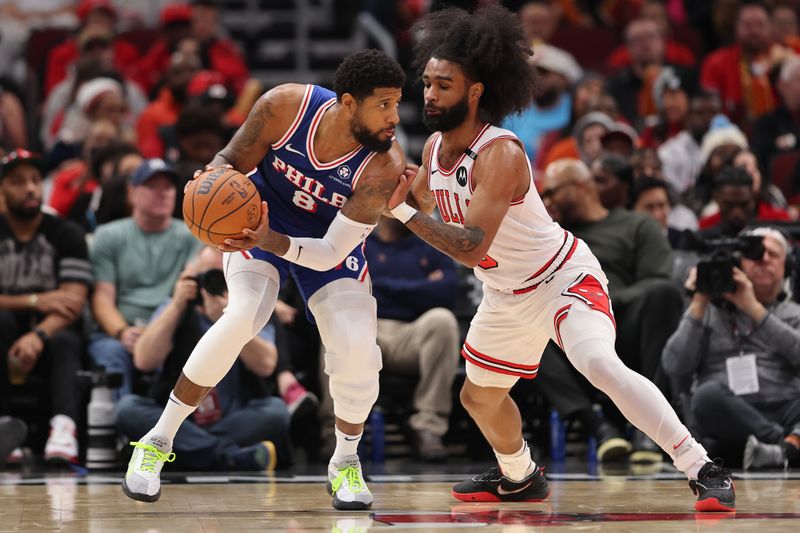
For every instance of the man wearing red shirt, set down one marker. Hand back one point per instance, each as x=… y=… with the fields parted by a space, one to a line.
x=740 y=73
x=90 y=13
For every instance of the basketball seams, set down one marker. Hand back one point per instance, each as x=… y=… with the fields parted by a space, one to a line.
x=227 y=175
x=229 y=213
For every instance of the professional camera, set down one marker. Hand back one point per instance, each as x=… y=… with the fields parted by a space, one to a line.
x=213 y=281
x=717 y=259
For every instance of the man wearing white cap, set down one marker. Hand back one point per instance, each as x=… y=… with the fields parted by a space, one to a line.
x=551 y=107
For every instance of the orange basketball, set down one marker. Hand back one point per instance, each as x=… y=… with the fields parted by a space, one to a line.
x=219 y=203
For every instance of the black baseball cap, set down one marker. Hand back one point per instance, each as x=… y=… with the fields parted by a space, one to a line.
x=18 y=157
x=153 y=167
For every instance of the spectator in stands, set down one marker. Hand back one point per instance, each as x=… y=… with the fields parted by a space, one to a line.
x=651 y=196
x=785 y=28
x=176 y=23
x=539 y=20
x=633 y=87
x=647 y=164
x=620 y=140
x=62 y=100
x=739 y=204
x=108 y=201
x=757 y=328
x=136 y=262
x=720 y=145
x=96 y=14
x=585 y=142
x=740 y=73
x=97 y=100
x=46 y=277
x=675 y=53
x=164 y=110
x=779 y=131
x=238 y=425
x=219 y=54
x=671 y=96
x=75 y=177
x=551 y=106
x=637 y=260
x=613 y=177
x=13 y=132
x=415 y=286
x=765 y=191
x=196 y=138
x=681 y=155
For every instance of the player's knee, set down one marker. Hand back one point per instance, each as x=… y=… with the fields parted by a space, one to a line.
x=354 y=380
x=600 y=364
x=477 y=400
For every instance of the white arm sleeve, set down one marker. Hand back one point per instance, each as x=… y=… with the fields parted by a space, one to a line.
x=343 y=235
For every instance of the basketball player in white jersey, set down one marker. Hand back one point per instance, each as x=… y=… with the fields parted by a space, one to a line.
x=539 y=281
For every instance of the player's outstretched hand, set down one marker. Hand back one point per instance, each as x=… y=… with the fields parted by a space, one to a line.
x=403 y=186
x=208 y=168
x=253 y=238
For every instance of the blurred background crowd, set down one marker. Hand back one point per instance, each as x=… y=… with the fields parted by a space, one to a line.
x=652 y=117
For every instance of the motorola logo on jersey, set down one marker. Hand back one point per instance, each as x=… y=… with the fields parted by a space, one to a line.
x=461 y=176
x=344 y=172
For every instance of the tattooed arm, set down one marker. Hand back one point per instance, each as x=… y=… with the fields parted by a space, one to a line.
x=270 y=118
x=500 y=175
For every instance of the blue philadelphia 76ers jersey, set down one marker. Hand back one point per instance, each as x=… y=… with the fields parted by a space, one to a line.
x=304 y=194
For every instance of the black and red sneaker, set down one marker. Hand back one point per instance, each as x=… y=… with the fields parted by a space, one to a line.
x=714 y=489
x=493 y=486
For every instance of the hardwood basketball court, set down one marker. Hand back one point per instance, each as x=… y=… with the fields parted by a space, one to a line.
x=296 y=503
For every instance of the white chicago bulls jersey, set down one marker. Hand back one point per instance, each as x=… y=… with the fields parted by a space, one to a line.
x=528 y=247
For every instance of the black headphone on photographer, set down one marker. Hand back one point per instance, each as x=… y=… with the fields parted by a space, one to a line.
x=787 y=241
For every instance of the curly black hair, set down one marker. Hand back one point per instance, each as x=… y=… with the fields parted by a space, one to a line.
x=490 y=47
x=363 y=72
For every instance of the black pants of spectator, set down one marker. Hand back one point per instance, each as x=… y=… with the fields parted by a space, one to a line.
x=57 y=366
x=643 y=327
x=722 y=415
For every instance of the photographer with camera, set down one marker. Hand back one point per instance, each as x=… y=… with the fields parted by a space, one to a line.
x=740 y=344
x=237 y=426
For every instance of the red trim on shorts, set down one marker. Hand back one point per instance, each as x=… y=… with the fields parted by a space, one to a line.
x=559 y=317
x=246 y=254
x=546 y=266
x=498 y=365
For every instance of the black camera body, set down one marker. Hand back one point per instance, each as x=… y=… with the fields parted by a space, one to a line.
x=213 y=281
x=719 y=257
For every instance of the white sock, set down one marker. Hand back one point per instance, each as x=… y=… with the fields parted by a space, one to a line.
x=175 y=412
x=516 y=466
x=346 y=445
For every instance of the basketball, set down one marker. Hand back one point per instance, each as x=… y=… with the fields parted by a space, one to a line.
x=219 y=203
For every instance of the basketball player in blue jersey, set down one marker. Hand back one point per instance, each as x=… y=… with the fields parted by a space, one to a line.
x=325 y=164
x=540 y=283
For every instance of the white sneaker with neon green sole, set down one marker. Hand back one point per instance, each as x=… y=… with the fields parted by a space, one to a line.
x=346 y=485
x=143 y=480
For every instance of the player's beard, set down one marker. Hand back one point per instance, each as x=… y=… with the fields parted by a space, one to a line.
x=371 y=141
x=449 y=118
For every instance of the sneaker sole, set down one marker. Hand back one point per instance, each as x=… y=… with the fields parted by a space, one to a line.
x=343 y=505
x=491 y=497
x=55 y=458
x=713 y=505
x=614 y=449
x=140 y=497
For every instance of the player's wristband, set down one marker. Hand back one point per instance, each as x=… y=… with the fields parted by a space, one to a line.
x=403 y=212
